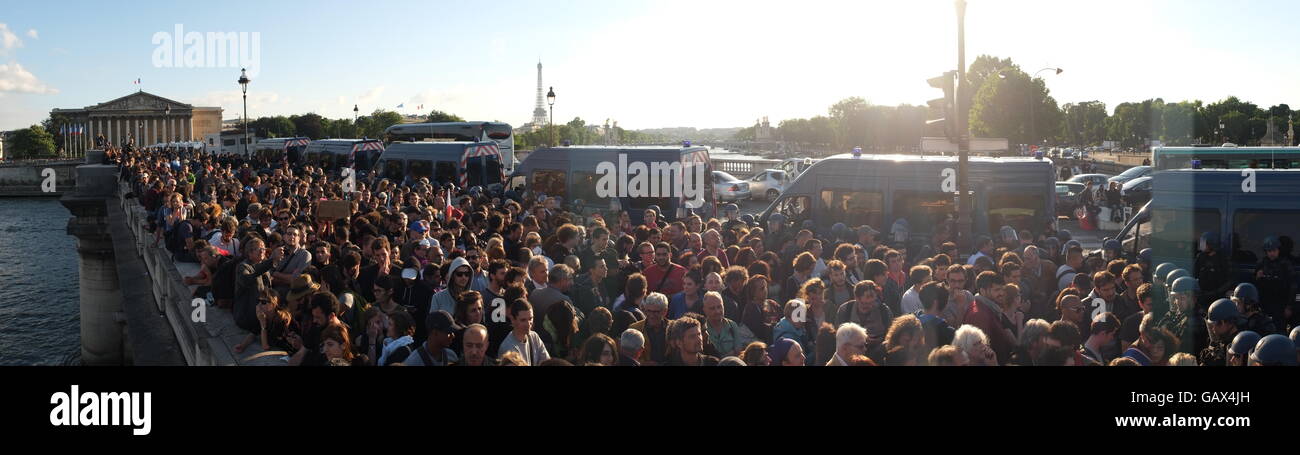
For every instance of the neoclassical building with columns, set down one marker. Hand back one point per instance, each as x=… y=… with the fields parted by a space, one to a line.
x=143 y=116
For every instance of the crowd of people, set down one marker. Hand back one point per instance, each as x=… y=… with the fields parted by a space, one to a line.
x=423 y=273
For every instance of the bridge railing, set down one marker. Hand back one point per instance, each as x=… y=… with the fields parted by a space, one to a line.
x=744 y=168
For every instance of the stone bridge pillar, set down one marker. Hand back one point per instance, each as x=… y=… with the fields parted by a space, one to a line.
x=103 y=325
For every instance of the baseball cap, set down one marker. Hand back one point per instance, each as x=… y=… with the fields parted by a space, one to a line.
x=417 y=226
x=409 y=274
x=425 y=243
x=442 y=321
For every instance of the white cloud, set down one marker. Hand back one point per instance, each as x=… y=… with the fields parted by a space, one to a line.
x=8 y=40
x=371 y=96
x=13 y=78
x=31 y=32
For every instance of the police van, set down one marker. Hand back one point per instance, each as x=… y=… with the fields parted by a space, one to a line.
x=1241 y=207
x=630 y=178
x=276 y=149
x=465 y=164
x=879 y=190
x=334 y=154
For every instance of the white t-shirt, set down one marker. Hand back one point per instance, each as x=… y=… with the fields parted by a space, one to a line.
x=911 y=301
x=232 y=247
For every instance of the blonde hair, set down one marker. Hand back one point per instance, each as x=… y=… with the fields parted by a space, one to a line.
x=1182 y=359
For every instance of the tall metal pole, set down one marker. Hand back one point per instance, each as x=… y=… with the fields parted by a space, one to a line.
x=963 y=134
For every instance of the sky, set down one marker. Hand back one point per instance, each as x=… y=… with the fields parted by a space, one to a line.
x=645 y=64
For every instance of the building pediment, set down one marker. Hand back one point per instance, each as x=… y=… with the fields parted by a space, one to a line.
x=139 y=101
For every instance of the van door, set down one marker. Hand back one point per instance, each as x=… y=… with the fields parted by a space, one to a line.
x=1253 y=218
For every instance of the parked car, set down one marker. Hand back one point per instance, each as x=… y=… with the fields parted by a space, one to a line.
x=1067 y=197
x=1136 y=192
x=729 y=188
x=768 y=184
x=1098 y=180
x=1132 y=173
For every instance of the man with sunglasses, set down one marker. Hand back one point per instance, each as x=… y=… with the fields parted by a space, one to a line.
x=477 y=260
x=458 y=281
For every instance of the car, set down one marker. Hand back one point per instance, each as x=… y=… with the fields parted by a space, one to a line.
x=1067 y=197
x=1131 y=174
x=1098 y=180
x=727 y=187
x=1136 y=192
x=768 y=184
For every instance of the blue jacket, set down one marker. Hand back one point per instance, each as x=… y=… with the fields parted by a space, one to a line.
x=787 y=329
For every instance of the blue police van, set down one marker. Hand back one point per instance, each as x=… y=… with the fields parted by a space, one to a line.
x=606 y=178
x=1241 y=207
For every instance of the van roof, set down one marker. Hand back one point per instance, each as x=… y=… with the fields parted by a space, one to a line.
x=1226 y=181
x=342 y=141
x=935 y=158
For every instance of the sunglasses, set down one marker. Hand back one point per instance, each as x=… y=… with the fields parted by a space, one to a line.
x=472 y=258
x=462 y=274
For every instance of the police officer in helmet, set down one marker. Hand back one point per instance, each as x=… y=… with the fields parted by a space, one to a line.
x=1246 y=297
x=1181 y=317
x=1242 y=345
x=731 y=211
x=1221 y=323
x=1273 y=350
x=1211 y=271
x=1273 y=276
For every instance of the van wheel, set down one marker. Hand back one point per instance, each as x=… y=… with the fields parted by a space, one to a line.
x=772 y=194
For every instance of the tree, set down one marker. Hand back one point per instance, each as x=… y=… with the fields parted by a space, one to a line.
x=984 y=67
x=1084 y=123
x=278 y=126
x=30 y=143
x=309 y=125
x=1014 y=107
x=373 y=125
x=745 y=134
x=438 y=116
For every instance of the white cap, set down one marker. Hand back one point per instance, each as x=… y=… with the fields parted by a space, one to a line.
x=408 y=274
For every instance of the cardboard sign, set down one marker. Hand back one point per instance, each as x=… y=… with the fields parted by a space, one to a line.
x=333 y=210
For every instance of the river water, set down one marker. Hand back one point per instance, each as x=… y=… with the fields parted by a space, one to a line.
x=40 y=322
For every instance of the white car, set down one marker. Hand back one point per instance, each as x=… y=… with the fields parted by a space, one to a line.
x=768 y=184
x=729 y=188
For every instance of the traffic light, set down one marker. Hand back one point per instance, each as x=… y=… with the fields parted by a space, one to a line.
x=943 y=111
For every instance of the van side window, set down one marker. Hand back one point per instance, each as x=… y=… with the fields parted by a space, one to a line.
x=856 y=208
x=418 y=169
x=1018 y=210
x=548 y=182
x=1250 y=227
x=584 y=187
x=445 y=171
x=393 y=170
x=1176 y=232
x=923 y=209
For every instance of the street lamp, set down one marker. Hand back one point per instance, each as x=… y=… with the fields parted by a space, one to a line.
x=167 y=128
x=550 y=101
x=355 y=112
x=243 y=86
x=1223 y=136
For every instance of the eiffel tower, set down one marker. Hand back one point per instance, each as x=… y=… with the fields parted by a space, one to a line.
x=539 y=112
